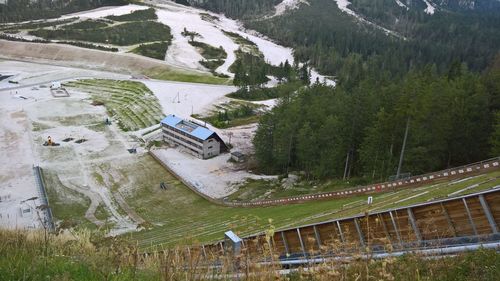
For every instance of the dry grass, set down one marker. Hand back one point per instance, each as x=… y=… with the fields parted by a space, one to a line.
x=84 y=256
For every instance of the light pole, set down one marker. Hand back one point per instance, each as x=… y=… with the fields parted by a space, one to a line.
x=398 y=173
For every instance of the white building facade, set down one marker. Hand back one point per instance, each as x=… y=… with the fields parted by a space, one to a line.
x=198 y=140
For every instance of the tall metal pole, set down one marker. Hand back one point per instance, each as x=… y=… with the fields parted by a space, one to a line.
x=403 y=148
x=346 y=164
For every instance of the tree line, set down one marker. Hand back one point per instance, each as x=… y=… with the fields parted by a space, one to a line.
x=234 y=8
x=452 y=119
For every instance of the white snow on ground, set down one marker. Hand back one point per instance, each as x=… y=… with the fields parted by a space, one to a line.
x=273 y=53
x=288 y=5
x=181 y=52
x=18 y=102
x=342 y=4
x=184 y=99
x=17 y=182
x=430 y=8
x=27 y=102
x=178 y=17
x=215 y=177
x=106 y=11
x=400 y=4
x=315 y=76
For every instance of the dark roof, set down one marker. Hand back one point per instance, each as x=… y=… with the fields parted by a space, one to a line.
x=237 y=154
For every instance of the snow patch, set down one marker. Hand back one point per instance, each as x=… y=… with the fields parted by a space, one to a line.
x=106 y=11
x=288 y=5
x=342 y=4
x=316 y=77
x=400 y=4
x=185 y=99
x=430 y=8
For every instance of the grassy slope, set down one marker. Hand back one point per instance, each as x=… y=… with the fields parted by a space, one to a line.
x=67 y=205
x=180 y=216
x=29 y=256
x=131 y=103
x=264 y=189
x=186 y=76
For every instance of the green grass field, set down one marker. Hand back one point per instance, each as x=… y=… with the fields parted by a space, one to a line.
x=186 y=76
x=178 y=215
x=68 y=206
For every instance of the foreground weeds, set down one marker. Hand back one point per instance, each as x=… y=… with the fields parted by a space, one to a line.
x=84 y=256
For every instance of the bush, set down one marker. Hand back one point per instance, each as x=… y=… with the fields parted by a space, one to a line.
x=212 y=64
x=87 y=24
x=154 y=50
x=209 y=52
x=139 y=15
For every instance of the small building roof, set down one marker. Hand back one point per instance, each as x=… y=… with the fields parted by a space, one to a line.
x=202 y=133
x=171 y=120
x=237 y=154
x=191 y=128
x=231 y=235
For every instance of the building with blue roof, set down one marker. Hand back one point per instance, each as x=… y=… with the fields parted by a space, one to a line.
x=198 y=139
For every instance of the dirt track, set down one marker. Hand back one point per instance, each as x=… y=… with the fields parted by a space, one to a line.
x=87 y=58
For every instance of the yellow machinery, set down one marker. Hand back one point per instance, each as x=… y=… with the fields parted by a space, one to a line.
x=49 y=142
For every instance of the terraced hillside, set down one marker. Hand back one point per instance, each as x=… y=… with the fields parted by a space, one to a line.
x=173 y=220
x=131 y=103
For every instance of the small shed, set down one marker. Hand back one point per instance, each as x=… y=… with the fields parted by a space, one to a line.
x=232 y=243
x=237 y=156
x=55 y=85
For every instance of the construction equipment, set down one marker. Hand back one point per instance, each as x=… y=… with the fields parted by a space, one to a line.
x=49 y=142
x=132 y=150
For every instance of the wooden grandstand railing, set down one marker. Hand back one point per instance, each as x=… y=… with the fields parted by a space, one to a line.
x=467 y=219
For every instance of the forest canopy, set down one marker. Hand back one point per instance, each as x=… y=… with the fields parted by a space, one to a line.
x=452 y=120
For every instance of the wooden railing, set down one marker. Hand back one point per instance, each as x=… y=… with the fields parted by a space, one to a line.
x=467 y=219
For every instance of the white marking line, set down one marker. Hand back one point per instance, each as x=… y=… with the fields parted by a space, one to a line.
x=411 y=197
x=470 y=187
x=463 y=189
x=462 y=180
x=352 y=203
